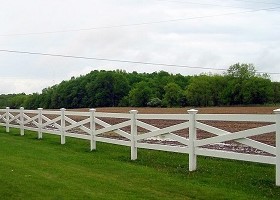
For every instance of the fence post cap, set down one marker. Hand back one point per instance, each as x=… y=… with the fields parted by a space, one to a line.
x=62 y=109
x=7 y=107
x=133 y=111
x=21 y=108
x=40 y=108
x=192 y=111
x=92 y=110
x=277 y=111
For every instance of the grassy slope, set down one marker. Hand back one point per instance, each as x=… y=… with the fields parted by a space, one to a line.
x=44 y=169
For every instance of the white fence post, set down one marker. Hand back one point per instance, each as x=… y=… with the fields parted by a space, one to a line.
x=40 y=121
x=192 y=138
x=92 y=129
x=21 y=118
x=62 y=123
x=133 y=134
x=7 y=119
x=277 y=113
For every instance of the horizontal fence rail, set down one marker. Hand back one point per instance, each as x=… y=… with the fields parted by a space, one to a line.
x=134 y=130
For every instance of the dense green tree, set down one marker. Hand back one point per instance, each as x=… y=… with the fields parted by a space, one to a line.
x=17 y=101
x=241 y=88
x=32 y=101
x=199 y=91
x=237 y=74
x=161 y=79
x=154 y=102
x=109 y=88
x=217 y=86
x=173 y=94
x=12 y=100
x=239 y=85
x=257 y=90
x=141 y=94
x=276 y=92
x=241 y=71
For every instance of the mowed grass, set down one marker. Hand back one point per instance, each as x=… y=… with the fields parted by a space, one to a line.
x=44 y=169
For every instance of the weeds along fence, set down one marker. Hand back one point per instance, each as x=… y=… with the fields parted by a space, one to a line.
x=134 y=130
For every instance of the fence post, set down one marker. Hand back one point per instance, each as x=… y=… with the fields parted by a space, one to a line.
x=40 y=121
x=133 y=134
x=7 y=119
x=62 y=138
x=92 y=129
x=21 y=118
x=277 y=116
x=192 y=138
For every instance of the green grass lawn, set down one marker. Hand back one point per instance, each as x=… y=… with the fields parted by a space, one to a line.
x=44 y=169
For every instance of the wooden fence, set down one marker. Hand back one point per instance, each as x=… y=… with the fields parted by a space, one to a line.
x=92 y=126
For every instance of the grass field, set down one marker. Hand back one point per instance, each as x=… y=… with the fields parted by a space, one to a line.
x=44 y=169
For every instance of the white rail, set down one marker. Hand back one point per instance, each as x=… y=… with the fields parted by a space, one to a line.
x=92 y=126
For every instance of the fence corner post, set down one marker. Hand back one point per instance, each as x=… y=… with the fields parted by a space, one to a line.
x=7 y=119
x=277 y=116
x=192 y=138
x=133 y=134
x=62 y=124
x=21 y=118
x=92 y=129
x=40 y=123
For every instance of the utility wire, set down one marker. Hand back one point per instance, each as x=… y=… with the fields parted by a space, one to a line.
x=142 y=23
x=105 y=59
x=122 y=61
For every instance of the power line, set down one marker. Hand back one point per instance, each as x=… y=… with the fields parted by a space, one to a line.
x=105 y=59
x=121 y=61
x=140 y=24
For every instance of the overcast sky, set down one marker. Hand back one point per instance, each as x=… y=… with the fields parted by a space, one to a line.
x=196 y=40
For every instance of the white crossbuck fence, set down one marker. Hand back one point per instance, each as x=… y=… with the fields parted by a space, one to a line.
x=92 y=126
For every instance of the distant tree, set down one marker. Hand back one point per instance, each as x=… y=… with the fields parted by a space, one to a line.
x=257 y=90
x=3 y=101
x=124 y=102
x=154 y=102
x=182 y=81
x=32 y=101
x=241 y=71
x=161 y=79
x=241 y=84
x=245 y=86
x=233 y=94
x=199 y=92
x=141 y=94
x=276 y=92
x=109 y=88
x=173 y=94
x=17 y=101
x=217 y=84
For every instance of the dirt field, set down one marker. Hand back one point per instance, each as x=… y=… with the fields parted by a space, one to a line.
x=207 y=110
x=268 y=138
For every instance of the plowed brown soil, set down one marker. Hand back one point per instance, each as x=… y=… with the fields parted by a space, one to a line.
x=232 y=127
x=268 y=138
x=206 y=110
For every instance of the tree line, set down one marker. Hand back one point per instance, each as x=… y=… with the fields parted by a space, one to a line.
x=239 y=85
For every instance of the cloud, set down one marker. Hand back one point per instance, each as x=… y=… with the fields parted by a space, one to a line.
x=216 y=42
x=10 y=85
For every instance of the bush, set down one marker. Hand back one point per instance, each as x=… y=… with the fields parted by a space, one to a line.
x=154 y=102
